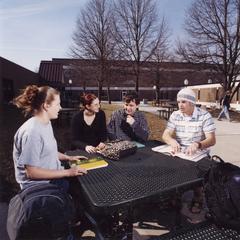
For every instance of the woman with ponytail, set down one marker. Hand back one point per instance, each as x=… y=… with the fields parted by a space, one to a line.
x=35 y=152
x=89 y=130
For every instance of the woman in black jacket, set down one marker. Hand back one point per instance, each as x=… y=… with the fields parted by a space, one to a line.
x=89 y=126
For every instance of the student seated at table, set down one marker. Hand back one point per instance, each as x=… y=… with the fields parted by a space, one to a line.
x=88 y=126
x=190 y=128
x=128 y=123
x=35 y=153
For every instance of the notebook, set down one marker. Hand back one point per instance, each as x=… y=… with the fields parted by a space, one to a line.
x=138 y=144
x=166 y=149
x=90 y=164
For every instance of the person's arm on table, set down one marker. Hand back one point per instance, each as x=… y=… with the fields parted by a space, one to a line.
x=209 y=141
x=42 y=173
x=168 y=135
x=170 y=140
x=64 y=157
x=100 y=146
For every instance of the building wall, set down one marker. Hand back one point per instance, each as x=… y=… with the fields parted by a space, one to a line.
x=212 y=93
x=13 y=77
x=121 y=76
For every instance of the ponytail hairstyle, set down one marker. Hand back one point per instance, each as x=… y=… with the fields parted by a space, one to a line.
x=33 y=97
x=87 y=99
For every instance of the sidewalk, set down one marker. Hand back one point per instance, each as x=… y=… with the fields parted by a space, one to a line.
x=227 y=141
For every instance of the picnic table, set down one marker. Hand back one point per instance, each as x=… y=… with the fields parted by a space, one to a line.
x=166 y=111
x=202 y=231
x=163 y=102
x=115 y=192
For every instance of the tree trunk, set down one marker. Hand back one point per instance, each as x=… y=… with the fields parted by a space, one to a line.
x=99 y=90
x=137 y=78
x=157 y=82
x=108 y=94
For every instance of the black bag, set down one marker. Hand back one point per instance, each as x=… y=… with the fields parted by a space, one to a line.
x=222 y=192
x=118 y=149
x=41 y=211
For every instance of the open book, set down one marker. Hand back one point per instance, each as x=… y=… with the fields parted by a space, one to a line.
x=91 y=163
x=166 y=149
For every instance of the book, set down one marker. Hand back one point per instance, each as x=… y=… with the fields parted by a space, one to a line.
x=167 y=149
x=90 y=164
x=138 y=144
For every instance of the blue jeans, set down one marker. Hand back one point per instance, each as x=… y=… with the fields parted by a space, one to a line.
x=61 y=183
x=224 y=112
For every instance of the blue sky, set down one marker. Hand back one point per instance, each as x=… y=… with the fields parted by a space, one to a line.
x=35 y=30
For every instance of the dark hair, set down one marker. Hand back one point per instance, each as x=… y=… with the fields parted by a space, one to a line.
x=87 y=99
x=32 y=98
x=131 y=96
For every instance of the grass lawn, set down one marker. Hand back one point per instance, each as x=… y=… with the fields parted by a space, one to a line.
x=156 y=126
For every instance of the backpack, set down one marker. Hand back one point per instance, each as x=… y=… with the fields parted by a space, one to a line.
x=222 y=192
x=41 y=211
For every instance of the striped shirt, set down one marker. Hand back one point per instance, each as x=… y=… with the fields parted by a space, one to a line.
x=189 y=129
x=118 y=128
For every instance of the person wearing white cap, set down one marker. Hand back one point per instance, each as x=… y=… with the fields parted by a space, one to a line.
x=190 y=128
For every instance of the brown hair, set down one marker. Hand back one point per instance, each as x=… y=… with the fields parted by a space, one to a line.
x=132 y=96
x=32 y=98
x=87 y=99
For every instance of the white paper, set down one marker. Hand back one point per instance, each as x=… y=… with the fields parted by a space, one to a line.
x=167 y=149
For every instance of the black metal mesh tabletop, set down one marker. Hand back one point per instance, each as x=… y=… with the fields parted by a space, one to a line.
x=204 y=232
x=139 y=177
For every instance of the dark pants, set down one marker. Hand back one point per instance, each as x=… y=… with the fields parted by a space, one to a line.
x=71 y=186
x=62 y=183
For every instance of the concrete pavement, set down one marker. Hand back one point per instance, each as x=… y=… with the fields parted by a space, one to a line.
x=227 y=141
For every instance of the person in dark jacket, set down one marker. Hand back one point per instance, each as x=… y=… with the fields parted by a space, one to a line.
x=225 y=102
x=128 y=123
x=89 y=126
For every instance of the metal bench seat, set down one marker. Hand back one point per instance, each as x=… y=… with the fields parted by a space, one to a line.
x=206 y=231
x=163 y=113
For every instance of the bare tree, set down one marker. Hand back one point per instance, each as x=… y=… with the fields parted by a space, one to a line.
x=93 y=37
x=136 y=31
x=214 y=30
x=160 y=54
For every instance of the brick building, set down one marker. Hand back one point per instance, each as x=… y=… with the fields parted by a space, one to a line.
x=73 y=77
x=78 y=76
